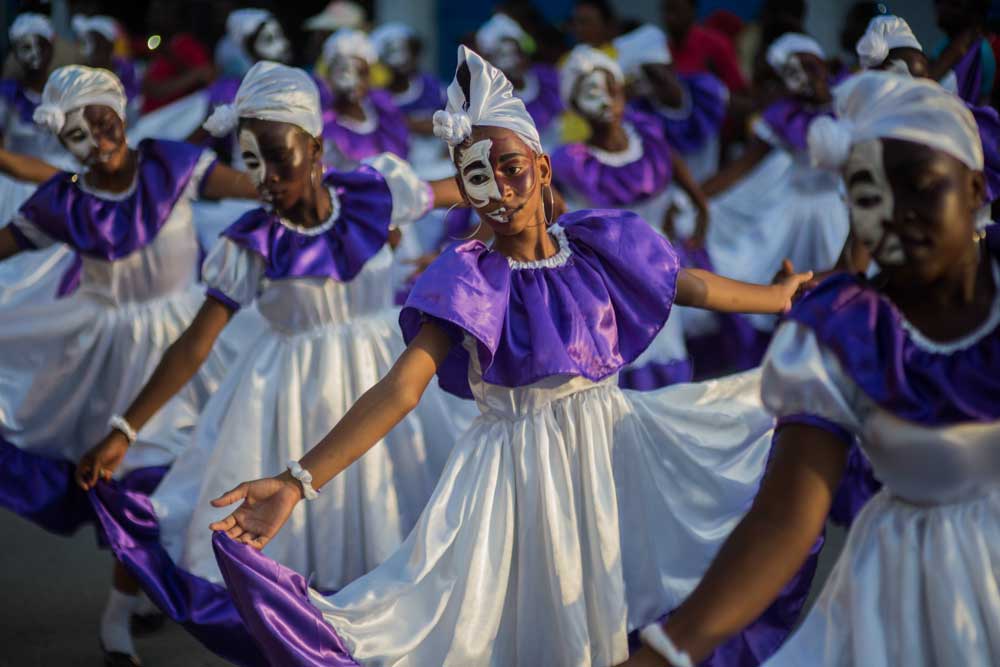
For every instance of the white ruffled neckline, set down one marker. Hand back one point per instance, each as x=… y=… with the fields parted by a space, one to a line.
x=555 y=261
x=630 y=154
x=414 y=89
x=320 y=228
x=366 y=126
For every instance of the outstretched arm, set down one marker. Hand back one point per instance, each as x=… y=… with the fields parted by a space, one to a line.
x=703 y=289
x=179 y=364
x=226 y=183
x=26 y=167
x=268 y=502
x=734 y=172
x=768 y=546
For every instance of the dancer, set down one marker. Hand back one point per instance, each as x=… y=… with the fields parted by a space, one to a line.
x=555 y=501
x=316 y=263
x=417 y=94
x=70 y=366
x=907 y=362
x=97 y=35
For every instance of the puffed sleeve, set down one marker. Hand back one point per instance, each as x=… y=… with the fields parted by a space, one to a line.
x=28 y=235
x=202 y=169
x=804 y=383
x=412 y=196
x=232 y=274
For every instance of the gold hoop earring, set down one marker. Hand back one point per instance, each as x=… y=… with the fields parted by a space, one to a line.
x=551 y=206
x=462 y=238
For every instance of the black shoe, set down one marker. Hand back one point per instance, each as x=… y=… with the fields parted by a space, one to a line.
x=143 y=625
x=119 y=659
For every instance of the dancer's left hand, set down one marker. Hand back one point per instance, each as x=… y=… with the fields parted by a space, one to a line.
x=790 y=283
x=267 y=504
x=102 y=460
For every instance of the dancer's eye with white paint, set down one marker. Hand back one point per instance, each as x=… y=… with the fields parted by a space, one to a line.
x=77 y=136
x=252 y=158
x=28 y=51
x=271 y=43
x=477 y=173
x=345 y=73
x=794 y=75
x=871 y=202
x=593 y=97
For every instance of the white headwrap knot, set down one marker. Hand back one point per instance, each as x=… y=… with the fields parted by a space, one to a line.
x=490 y=103
x=453 y=128
x=105 y=26
x=387 y=33
x=29 y=23
x=646 y=44
x=497 y=29
x=583 y=60
x=275 y=92
x=76 y=86
x=241 y=23
x=349 y=42
x=882 y=105
x=883 y=34
x=783 y=48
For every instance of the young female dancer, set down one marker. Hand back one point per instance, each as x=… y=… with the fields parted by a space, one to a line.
x=908 y=362
x=417 y=94
x=551 y=509
x=316 y=263
x=70 y=366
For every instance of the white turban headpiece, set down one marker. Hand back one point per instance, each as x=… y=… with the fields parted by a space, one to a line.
x=387 y=33
x=76 y=86
x=30 y=24
x=271 y=91
x=241 y=23
x=583 y=60
x=349 y=42
x=646 y=44
x=883 y=34
x=783 y=48
x=105 y=26
x=884 y=105
x=497 y=29
x=490 y=102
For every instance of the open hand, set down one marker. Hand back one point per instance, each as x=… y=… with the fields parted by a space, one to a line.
x=267 y=503
x=102 y=460
x=789 y=284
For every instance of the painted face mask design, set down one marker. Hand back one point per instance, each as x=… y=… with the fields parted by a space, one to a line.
x=479 y=181
x=254 y=161
x=507 y=56
x=397 y=54
x=271 y=43
x=794 y=76
x=28 y=51
x=593 y=97
x=872 y=204
x=79 y=139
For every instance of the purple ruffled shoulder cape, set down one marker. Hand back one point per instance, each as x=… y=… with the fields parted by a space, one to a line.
x=391 y=134
x=790 y=118
x=606 y=186
x=111 y=229
x=690 y=128
x=338 y=253
x=547 y=105
x=12 y=93
x=588 y=315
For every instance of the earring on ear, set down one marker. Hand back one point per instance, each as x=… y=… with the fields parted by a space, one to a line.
x=549 y=209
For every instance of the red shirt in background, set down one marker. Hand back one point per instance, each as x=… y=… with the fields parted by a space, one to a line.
x=182 y=53
x=705 y=50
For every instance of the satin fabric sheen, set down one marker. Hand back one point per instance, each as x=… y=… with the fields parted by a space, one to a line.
x=587 y=317
x=689 y=132
x=790 y=119
x=389 y=136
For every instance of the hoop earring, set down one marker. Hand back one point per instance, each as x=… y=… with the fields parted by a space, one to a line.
x=551 y=211
x=462 y=238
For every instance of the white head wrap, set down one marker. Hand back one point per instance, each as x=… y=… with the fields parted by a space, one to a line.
x=271 y=91
x=349 y=42
x=783 y=48
x=883 y=34
x=105 y=26
x=76 y=86
x=497 y=29
x=876 y=105
x=30 y=24
x=338 y=14
x=491 y=102
x=387 y=33
x=241 y=23
x=583 y=60
x=646 y=44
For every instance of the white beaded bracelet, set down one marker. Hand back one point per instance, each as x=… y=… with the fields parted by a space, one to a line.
x=657 y=639
x=305 y=479
x=118 y=423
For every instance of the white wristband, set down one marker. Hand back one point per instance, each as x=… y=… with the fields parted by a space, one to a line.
x=305 y=479
x=118 y=423
x=657 y=639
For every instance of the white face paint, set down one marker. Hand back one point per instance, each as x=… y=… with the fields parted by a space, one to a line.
x=254 y=161
x=397 y=54
x=28 y=51
x=479 y=181
x=345 y=74
x=79 y=139
x=593 y=97
x=794 y=76
x=87 y=45
x=507 y=57
x=271 y=44
x=871 y=203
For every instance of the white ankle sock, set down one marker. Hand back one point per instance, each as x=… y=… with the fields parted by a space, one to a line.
x=115 y=633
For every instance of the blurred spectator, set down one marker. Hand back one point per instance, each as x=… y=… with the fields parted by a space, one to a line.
x=180 y=64
x=699 y=49
x=965 y=52
x=593 y=22
x=338 y=14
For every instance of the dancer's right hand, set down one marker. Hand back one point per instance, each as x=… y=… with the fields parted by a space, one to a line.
x=267 y=504
x=102 y=460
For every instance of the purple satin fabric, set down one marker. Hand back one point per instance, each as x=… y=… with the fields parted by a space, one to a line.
x=205 y=609
x=577 y=171
x=790 y=119
x=969 y=73
x=390 y=136
x=656 y=375
x=110 y=229
x=223 y=91
x=13 y=94
x=431 y=98
x=988 y=122
x=274 y=604
x=709 y=100
x=588 y=317
x=338 y=253
x=865 y=332
x=125 y=71
x=547 y=105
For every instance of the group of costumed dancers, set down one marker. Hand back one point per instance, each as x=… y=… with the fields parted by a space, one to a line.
x=410 y=381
